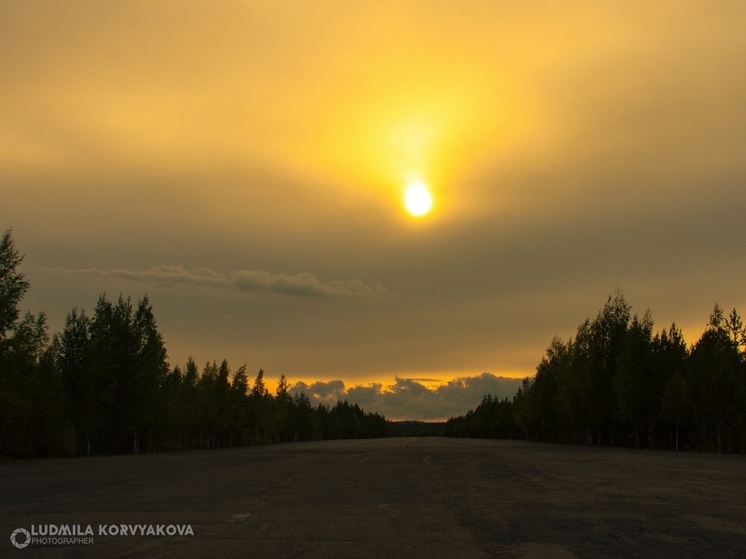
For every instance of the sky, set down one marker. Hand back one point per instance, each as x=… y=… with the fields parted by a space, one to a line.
x=244 y=163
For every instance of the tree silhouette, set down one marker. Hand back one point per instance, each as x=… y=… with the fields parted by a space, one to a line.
x=661 y=391
x=104 y=385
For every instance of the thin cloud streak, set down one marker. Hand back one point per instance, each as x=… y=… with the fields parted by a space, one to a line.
x=304 y=285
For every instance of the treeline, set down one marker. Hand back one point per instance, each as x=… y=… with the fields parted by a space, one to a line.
x=103 y=385
x=619 y=383
x=416 y=428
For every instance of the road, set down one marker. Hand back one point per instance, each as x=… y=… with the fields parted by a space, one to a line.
x=387 y=498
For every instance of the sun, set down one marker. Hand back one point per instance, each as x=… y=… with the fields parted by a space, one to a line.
x=417 y=199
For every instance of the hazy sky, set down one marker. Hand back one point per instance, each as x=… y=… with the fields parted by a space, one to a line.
x=244 y=163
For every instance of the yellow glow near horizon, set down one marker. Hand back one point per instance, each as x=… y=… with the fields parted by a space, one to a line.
x=418 y=199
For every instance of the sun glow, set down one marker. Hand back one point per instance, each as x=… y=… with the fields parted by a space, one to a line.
x=417 y=199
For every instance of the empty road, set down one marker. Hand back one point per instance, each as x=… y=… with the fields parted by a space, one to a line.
x=387 y=498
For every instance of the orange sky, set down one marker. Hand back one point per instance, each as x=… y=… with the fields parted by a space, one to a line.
x=244 y=163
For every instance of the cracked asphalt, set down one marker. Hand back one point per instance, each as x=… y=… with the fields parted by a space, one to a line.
x=388 y=498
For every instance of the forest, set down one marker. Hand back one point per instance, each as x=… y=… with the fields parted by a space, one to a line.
x=617 y=382
x=104 y=386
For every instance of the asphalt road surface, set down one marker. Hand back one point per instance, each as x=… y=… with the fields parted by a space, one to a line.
x=387 y=498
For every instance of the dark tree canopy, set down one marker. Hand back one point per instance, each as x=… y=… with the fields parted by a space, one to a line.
x=620 y=383
x=104 y=385
x=13 y=285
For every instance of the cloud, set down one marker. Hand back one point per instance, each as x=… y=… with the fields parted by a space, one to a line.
x=304 y=285
x=319 y=392
x=409 y=399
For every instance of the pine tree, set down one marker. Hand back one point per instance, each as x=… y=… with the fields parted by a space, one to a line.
x=282 y=399
x=260 y=402
x=13 y=285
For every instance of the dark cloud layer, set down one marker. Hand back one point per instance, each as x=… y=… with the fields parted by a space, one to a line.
x=410 y=399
